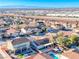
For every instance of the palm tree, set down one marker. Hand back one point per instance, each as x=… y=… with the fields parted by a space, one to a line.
x=60 y=39
x=51 y=39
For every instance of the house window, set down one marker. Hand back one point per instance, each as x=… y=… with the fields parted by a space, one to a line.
x=45 y=41
x=18 y=51
x=24 y=49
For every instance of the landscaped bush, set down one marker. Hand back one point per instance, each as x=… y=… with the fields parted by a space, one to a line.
x=20 y=56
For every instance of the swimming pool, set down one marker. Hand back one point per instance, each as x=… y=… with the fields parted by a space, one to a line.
x=53 y=55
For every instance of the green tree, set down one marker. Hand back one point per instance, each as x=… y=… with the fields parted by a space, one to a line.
x=70 y=40
x=73 y=38
x=67 y=42
x=20 y=56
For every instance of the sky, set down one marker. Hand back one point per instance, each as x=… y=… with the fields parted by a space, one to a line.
x=40 y=3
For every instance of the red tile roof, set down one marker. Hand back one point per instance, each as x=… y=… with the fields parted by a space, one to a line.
x=67 y=33
x=1 y=22
x=20 y=40
x=11 y=30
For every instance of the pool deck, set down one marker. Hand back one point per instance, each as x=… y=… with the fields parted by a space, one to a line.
x=71 y=54
x=62 y=57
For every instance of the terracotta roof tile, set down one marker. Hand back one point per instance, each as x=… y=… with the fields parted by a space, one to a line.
x=11 y=30
x=20 y=40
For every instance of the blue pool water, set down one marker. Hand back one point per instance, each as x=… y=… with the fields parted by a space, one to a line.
x=52 y=55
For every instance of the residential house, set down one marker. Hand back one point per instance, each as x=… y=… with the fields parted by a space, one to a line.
x=42 y=44
x=11 y=30
x=67 y=33
x=19 y=45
